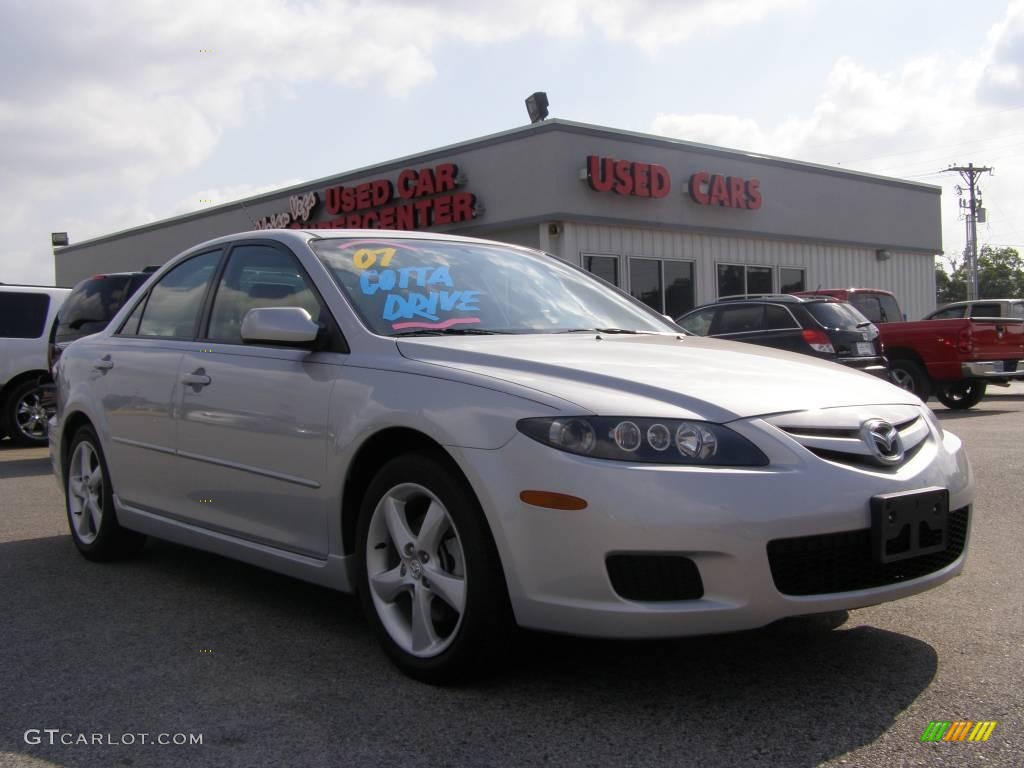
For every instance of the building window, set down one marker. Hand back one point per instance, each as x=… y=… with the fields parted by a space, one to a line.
x=792 y=279
x=605 y=267
x=665 y=286
x=679 y=296
x=742 y=279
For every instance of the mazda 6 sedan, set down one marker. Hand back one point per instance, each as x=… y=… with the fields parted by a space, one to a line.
x=472 y=435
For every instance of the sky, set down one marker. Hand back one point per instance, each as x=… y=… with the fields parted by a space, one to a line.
x=116 y=114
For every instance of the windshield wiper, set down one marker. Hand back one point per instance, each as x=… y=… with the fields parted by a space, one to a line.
x=445 y=332
x=601 y=330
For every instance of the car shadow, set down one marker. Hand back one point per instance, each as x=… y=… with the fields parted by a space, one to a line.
x=275 y=671
x=29 y=467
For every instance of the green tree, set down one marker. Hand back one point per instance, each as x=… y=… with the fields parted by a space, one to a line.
x=1000 y=276
x=1000 y=273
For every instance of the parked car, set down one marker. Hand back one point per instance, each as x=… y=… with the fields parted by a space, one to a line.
x=26 y=313
x=954 y=359
x=981 y=308
x=92 y=304
x=819 y=326
x=472 y=435
x=876 y=305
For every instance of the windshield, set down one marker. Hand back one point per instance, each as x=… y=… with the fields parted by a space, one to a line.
x=402 y=286
x=834 y=314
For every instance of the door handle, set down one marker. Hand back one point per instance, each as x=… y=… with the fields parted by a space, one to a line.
x=197 y=378
x=103 y=364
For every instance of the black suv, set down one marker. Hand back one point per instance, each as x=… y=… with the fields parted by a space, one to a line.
x=814 y=325
x=91 y=305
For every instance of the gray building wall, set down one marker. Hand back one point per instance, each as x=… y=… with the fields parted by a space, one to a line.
x=528 y=178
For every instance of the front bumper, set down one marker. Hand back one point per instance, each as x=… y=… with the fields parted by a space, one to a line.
x=722 y=519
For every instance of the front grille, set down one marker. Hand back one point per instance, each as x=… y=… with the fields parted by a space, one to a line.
x=655 y=578
x=828 y=440
x=843 y=562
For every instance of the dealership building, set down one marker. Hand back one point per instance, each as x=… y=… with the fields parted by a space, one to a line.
x=673 y=222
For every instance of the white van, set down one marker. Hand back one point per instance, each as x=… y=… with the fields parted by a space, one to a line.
x=26 y=314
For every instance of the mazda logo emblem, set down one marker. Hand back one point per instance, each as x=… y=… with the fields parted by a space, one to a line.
x=883 y=441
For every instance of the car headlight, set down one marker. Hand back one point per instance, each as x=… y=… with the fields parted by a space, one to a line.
x=657 y=441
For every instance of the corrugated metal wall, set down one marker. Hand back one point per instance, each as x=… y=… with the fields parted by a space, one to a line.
x=911 y=276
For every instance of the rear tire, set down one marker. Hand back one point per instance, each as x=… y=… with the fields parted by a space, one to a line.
x=89 y=499
x=25 y=419
x=908 y=375
x=429 y=577
x=961 y=395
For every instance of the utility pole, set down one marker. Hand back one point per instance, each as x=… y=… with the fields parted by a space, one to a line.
x=970 y=174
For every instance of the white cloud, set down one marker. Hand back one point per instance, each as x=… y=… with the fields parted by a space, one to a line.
x=912 y=123
x=102 y=100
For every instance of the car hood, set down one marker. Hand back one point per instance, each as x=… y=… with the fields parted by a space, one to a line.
x=662 y=376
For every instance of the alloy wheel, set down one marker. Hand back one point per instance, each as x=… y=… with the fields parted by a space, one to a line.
x=416 y=570
x=31 y=417
x=85 y=492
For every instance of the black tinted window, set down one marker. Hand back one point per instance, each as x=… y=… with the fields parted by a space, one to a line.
x=645 y=282
x=869 y=307
x=678 y=287
x=985 y=310
x=778 y=318
x=791 y=279
x=605 y=267
x=890 y=309
x=174 y=302
x=740 y=319
x=947 y=314
x=91 y=305
x=23 y=315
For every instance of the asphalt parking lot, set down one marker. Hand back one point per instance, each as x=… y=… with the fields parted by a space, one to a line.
x=272 y=671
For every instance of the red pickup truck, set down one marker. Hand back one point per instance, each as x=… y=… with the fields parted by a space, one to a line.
x=953 y=359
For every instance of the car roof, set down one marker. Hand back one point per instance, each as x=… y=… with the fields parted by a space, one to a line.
x=779 y=298
x=23 y=288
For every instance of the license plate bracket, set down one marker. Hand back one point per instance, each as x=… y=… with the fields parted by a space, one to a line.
x=865 y=348
x=909 y=524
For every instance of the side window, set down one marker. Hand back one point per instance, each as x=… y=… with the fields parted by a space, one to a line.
x=985 y=310
x=605 y=267
x=1017 y=310
x=699 y=322
x=890 y=309
x=258 y=276
x=23 y=315
x=778 y=318
x=950 y=313
x=740 y=319
x=131 y=325
x=174 y=303
x=91 y=306
x=868 y=305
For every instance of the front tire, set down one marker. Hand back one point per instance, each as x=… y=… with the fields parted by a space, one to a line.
x=89 y=499
x=961 y=395
x=908 y=375
x=430 y=580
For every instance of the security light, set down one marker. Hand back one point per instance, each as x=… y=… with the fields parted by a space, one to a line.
x=537 y=106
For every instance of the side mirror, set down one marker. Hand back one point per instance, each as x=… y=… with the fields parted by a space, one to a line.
x=281 y=325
